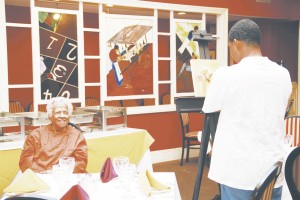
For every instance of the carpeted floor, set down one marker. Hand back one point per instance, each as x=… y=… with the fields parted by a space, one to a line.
x=186 y=175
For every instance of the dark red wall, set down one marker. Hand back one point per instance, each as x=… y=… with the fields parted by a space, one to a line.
x=279 y=41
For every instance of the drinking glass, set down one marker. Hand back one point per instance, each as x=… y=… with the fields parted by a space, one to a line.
x=60 y=175
x=119 y=164
x=68 y=162
x=127 y=179
x=288 y=140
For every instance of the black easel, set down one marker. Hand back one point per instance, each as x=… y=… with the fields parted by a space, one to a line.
x=209 y=130
x=203 y=40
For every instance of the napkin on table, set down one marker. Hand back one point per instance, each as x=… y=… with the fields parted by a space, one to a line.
x=107 y=172
x=148 y=183
x=27 y=182
x=75 y=192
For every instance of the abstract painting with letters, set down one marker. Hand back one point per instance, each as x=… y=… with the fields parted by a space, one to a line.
x=58 y=55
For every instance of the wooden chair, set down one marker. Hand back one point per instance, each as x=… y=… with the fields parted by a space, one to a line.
x=41 y=107
x=292 y=127
x=91 y=101
x=16 y=107
x=264 y=188
x=149 y=102
x=116 y=103
x=166 y=98
x=292 y=173
x=130 y=103
x=189 y=138
x=289 y=108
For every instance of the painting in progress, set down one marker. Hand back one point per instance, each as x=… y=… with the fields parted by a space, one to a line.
x=202 y=71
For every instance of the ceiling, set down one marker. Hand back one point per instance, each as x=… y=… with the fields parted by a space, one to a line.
x=93 y=8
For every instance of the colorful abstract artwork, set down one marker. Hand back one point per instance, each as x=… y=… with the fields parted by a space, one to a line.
x=58 y=55
x=129 y=63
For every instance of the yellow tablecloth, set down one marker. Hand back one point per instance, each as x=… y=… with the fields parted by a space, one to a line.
x=133 y=145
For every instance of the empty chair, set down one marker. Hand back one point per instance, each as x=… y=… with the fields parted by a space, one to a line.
x=130 y=103
x=166 y=98
x=16 y=107
x=292 y=173
x=91 y=101
x=149 y=102
x=292 y=127
x=264 y=188
x=189 y=138
x=41 y=107
x=116 y=103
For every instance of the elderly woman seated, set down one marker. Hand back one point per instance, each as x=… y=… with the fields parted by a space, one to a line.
x=45 y=145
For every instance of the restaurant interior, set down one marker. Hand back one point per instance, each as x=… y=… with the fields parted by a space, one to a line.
x=135 y=104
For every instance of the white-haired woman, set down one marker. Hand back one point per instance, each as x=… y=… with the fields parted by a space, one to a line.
x=46 y=144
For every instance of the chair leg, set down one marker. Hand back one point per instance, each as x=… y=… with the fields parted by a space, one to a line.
x=187 y=151
x=182 y=152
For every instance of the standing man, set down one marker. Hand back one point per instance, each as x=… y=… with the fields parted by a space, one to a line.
x=252 y=96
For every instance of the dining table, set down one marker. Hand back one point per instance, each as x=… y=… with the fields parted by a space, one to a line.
x=91 y=184
x=130 y=142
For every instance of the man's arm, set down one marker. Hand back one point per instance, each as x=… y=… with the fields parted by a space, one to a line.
x=215 y=93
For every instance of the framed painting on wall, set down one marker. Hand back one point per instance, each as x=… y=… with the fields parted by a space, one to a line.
x=129 y=55
x=58 y=55
x=186 y=49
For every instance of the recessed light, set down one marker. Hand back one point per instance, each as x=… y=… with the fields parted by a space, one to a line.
x=56 y=16
x=181 y=13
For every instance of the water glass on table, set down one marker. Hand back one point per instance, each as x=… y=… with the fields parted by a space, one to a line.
x=127 y=179
x=119 y=163
x=288 y=140
x=67 y=162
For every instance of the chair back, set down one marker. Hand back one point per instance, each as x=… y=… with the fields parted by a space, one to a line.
x=166 y=98
x=91 y=101
x=115 y=103
x=149 y=102
x=16 y=107
x=288 y=109
x=41 y=107
x=292 y=173
x=130 y=103
x=292 y=127
x=264 y=188
x=184 y=119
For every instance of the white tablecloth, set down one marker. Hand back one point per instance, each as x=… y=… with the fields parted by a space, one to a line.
x=112 y=190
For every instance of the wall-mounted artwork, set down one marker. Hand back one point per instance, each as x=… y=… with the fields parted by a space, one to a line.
x=58 y=55
x=129 y=55
x=202 y=71
x=186 y=49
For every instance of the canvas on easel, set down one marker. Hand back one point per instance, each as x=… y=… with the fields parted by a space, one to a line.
x=202 y=71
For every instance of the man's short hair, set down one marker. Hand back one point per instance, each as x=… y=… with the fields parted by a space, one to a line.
x=245 y=30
